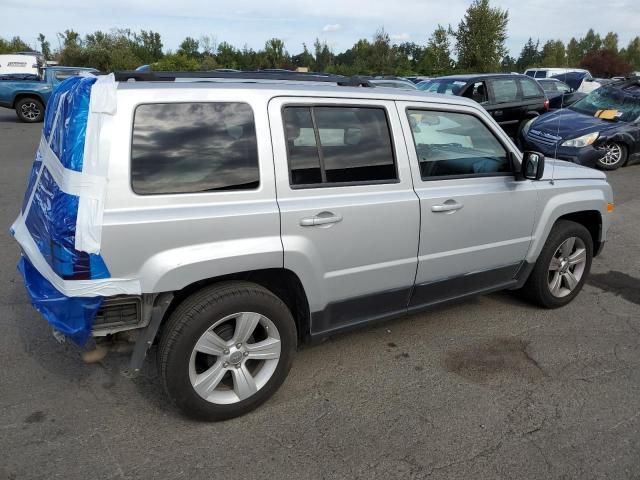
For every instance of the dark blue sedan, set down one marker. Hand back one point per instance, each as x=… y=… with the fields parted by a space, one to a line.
x=602 y=129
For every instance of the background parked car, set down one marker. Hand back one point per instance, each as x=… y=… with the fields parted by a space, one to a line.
x=29 y=94
x=417 y=78
x=393 y=83
x=587 y=82
x=602 y=129
x=511 y=99
x=560 y=94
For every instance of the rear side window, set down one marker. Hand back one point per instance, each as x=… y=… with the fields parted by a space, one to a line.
x=530 y=88
x=334 y=145
x=505 y=90
x=193 y=147
x=541 y=74
x=64 y=74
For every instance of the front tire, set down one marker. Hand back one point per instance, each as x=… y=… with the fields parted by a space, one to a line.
x=226 y=349
x=30 y=110
x=614 y=156
x=562 y=267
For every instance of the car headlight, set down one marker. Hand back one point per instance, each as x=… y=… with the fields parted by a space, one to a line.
x=527 y=126
x=582 y=141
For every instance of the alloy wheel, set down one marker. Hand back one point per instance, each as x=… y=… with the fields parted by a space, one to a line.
x=30 y=110
x=612 y=154
x=567 y=267
x=235 y=358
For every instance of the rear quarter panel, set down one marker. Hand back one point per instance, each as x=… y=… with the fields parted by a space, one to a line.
x=171 y=241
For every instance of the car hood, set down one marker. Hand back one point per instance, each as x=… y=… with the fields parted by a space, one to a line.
x=567 y=123
x=560 y=170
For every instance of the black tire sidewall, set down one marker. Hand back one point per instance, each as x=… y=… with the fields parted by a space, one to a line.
x=622 y=161
x=201 y=316
x=561 y=232
x=19 y=104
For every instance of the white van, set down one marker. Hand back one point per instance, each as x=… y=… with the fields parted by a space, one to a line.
x=15 y=63
x=588 y=85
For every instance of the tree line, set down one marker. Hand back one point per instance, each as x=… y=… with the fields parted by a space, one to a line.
x=476 y=44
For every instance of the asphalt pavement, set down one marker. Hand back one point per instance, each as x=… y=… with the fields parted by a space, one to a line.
x=489 y=387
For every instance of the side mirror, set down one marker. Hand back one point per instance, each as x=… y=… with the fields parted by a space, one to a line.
x=532 y=166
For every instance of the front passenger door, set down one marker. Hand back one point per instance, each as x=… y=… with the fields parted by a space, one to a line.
x=476 y=219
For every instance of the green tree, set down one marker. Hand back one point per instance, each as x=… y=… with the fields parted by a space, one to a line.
x=147 y=46
x=632 y=53
x=509 y=64
x=176 y=62
x=275 y=53
x=554 y=54
x=574 y=53
x=590 y=43
x=410 y=53
x=304 y=59
x=530 y=55
x=323 y=55
x=227 y=55
x=610 y=42
x=45 y=47
x=72 y=49
x=437 y=56
x=189 y=48
x=480 y=37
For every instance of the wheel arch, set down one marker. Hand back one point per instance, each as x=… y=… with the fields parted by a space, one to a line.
x=586 y=207
x=21 y=95
x=282 y=282
x=592 y=221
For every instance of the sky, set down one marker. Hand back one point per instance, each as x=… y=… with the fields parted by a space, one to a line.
x=338 y=22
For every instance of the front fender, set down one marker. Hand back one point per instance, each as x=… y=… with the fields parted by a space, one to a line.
x=571 y=201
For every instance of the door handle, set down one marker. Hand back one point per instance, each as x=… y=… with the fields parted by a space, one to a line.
x=323 y=218
x=448 y=206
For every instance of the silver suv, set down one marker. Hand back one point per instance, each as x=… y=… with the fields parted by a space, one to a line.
x=243 y=218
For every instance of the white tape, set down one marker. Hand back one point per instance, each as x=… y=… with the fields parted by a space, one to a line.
x=102 y=105
x=70 y=288
x=69 y=181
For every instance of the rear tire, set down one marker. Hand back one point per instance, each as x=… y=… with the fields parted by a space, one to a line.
x=226 y=349
x=562 y=267
x=30 y=110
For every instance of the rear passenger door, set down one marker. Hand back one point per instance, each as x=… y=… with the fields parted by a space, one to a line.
x=506 y=105
x=533 y=96
x=349 y=215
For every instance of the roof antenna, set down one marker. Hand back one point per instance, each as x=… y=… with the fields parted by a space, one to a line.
x=555 y=154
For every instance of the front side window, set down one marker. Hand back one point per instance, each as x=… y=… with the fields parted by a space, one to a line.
x=328 y=145
x=477 y=92
x=193 y=148
x=455 y=144
x=504 y=90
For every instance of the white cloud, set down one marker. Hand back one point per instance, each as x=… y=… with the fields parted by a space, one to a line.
x=331 y=27
x=400 y=37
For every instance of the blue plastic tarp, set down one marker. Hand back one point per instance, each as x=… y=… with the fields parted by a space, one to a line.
x=50 y=216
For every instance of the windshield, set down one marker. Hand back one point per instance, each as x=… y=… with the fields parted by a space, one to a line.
x=626 y=107
x=445 y=85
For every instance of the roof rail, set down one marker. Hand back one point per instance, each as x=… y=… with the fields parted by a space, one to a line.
x=341 y=80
